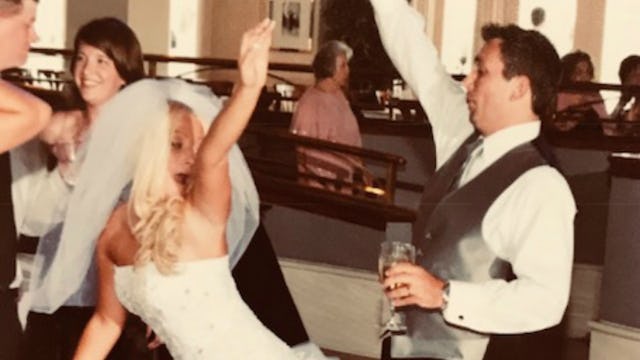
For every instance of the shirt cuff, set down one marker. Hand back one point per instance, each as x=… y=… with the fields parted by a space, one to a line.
x=458 y=310
x=385 y=6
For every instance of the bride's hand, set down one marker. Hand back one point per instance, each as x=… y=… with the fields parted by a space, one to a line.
x=254 y=54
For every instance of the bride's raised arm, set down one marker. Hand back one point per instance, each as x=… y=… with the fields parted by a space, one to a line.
x=231 y=121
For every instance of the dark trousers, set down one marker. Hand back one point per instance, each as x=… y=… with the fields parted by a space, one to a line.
x=540 y=345
x=56 y=336
x=545 y=344
x=261 y=284
x=11 y=330
x=386 y=352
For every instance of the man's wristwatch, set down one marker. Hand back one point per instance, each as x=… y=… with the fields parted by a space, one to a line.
x=445 y=296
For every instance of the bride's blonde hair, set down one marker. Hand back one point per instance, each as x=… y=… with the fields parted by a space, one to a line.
x=154 y=216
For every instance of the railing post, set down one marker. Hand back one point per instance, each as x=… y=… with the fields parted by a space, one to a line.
x=153 y=68
x=391 y=184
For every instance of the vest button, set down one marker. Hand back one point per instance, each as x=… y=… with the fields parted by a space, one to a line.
x=428 y=236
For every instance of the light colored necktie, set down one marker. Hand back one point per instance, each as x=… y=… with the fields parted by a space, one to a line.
x=475 y=151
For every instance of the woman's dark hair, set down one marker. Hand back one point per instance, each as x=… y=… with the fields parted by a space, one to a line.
x=117 y=41
x=531 y=54
x=571 y=61
x=627 y=65
x=324 y=63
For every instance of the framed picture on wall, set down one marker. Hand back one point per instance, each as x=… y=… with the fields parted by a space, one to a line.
x=294 y=24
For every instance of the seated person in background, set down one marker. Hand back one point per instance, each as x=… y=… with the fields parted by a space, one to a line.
x=572 y=105
x=629 y=73
x=323 y=112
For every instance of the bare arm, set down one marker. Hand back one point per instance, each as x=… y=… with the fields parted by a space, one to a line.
x=211 y=161
x=104 y=327
x=22 y=116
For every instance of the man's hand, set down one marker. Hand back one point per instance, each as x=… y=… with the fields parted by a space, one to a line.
x=417 y=286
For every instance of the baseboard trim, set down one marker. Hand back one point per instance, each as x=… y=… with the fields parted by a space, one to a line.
x=584 y=300
x=343 y=308
x=340 y=307
x=613 y=341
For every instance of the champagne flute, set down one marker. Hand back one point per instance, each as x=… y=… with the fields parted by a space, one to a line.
x=392 y=253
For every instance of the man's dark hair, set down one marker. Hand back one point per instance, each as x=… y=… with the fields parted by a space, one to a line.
x=627 y=66
x=529 y=53
x=117 y=41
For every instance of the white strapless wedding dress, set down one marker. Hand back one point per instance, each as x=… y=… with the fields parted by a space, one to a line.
x=198 y=312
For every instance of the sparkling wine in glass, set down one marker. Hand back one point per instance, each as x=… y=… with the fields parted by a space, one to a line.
x=392 y=253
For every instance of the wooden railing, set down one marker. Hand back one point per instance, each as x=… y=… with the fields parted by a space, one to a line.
x=152 y=61
x=271 y=154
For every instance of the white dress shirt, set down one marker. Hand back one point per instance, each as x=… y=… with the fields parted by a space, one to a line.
x=40 y=196
x=40 y=200
x=530 y=224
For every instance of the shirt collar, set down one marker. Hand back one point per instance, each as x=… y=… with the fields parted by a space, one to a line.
x=502 y=141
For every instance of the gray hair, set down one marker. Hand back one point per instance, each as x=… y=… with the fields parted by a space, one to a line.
x=324 y=63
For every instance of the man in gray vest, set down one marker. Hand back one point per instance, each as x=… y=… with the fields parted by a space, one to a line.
x=495 y=224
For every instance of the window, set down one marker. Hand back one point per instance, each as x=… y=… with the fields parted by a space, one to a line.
x=619 y=40
x=184 y=35
x=555 y=19
x=51 y=28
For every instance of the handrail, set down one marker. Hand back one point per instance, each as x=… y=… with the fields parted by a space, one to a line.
x=595 y=86
x=231 y=64
x=327 y=145
x=281 y=139
x=152 y=59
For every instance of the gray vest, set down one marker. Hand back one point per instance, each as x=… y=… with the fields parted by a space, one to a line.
x=448 y=232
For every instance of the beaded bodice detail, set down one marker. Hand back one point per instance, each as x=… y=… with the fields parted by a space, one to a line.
x=197 y=311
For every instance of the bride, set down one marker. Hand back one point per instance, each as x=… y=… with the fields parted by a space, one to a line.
x=163 y=254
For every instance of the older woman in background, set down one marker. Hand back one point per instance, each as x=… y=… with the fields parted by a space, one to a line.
x=323 y=112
